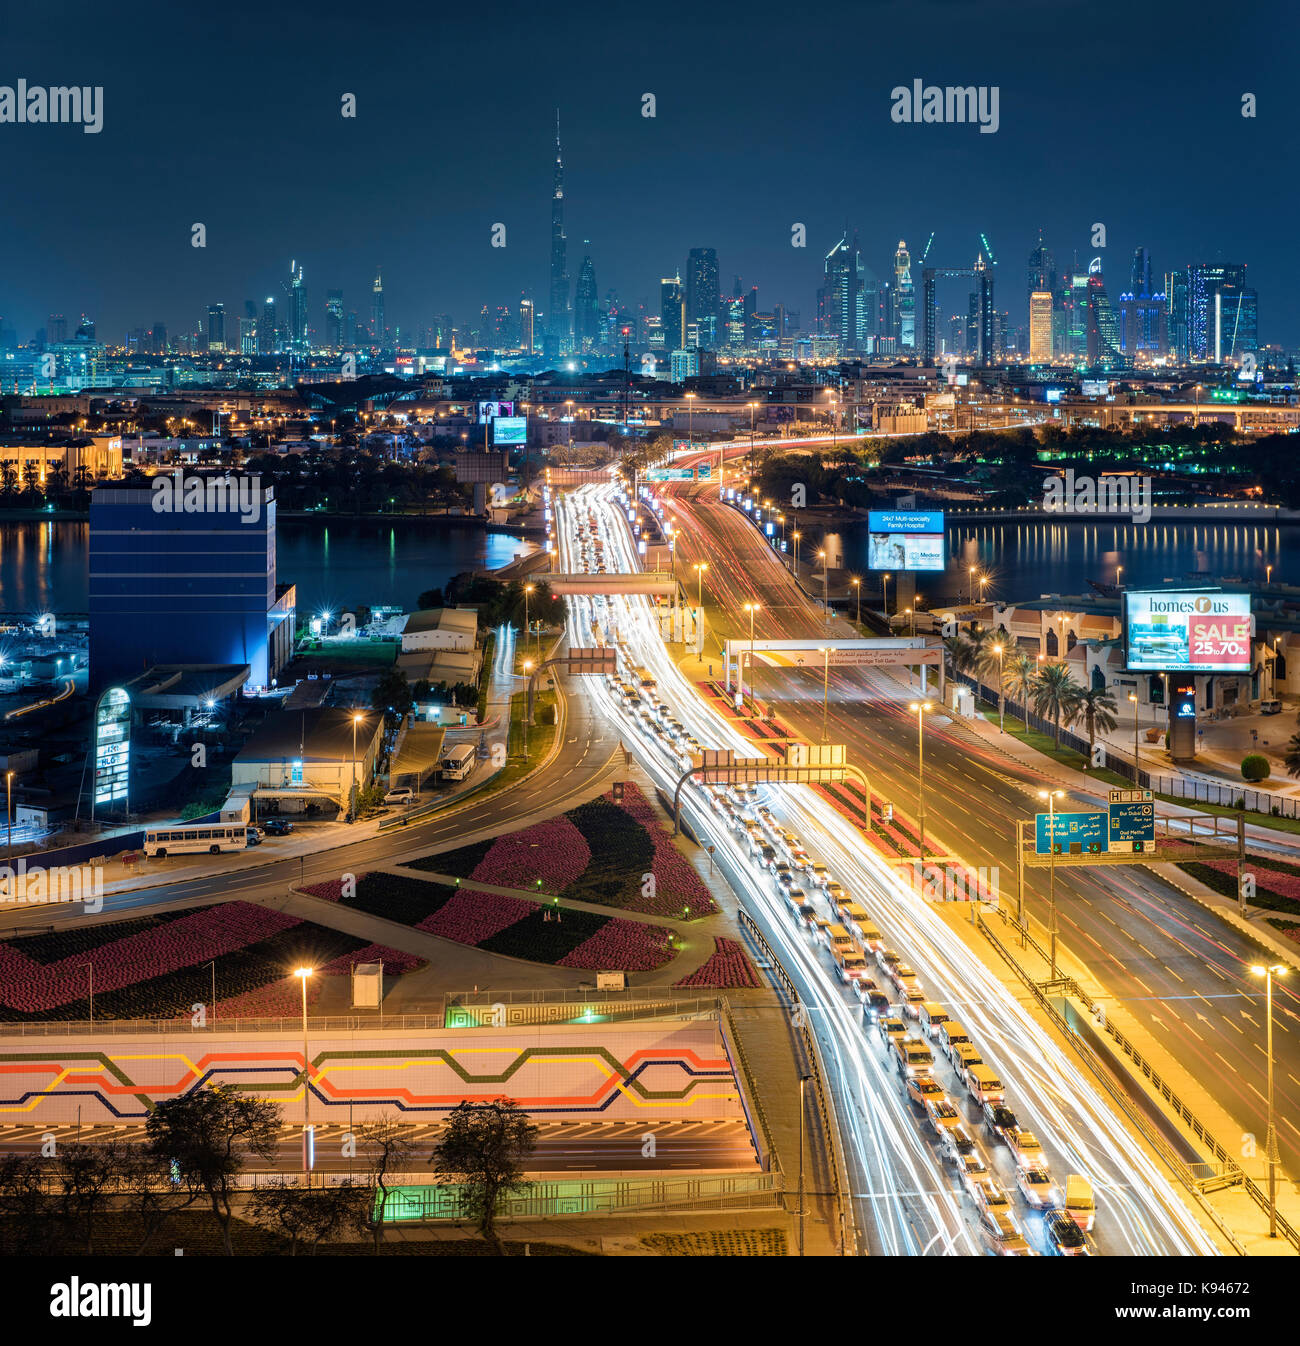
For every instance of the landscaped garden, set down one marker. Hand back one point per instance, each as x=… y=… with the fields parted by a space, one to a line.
x=158 y=966
x=613 y=855
x=729 y=965
x=541 y=932
x=1277 y=887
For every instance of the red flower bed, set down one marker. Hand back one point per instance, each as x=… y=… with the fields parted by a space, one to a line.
x=471 y=917
x=626 y=946
x=677 y=885
x=396 y=962
x=331 y=890
x=555 y=852
x=728 y=966
x=1285 y=885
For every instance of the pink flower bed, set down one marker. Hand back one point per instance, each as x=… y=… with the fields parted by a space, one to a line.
x=728 y=966
x=677 y=884
x=396 y=962
x=331 y=890
x=277 y=1000
x=1286 y=885
x=197 y=938
x=626 y=946
x=555 y=852
x=471 y=917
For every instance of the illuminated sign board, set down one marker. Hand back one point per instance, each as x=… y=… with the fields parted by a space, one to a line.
x=1188 y=631
x=112 y=750
x=489 y=411
x=1091 y=388
x=1052 y=394
x=903 y=540
x=509 y=429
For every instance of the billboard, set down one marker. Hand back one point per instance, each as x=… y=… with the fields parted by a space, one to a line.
x=509 y=429
x=1094 y=388
x=1187 y=631
x=903 y=540
x=489 y=411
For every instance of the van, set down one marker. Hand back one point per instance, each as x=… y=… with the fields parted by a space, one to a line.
x=963 y=1056
x=849 y=964
x=913 y=1057
x=952 y=1035
x=1270 y=706
x=984 y=1086
x=1079 y=1205
x=839 y=938
x=822 y=929
x=931 y=1017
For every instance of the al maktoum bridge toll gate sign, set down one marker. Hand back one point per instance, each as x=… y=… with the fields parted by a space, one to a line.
x=882 y=652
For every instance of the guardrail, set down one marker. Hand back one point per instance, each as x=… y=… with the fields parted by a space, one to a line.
x=744 y=1077
x=1231 y=1175
x=339 y=1023
x=506 y=1009
x=839 y=1171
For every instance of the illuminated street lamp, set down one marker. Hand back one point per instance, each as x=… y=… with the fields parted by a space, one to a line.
x=884 y=595
x=919 y=708
x=750 y=608
x=857 y=594
x=1268 y=973
x=826 y=582
x=700 y=567
x=911 y=626
x=356 y=720
x=797 y=535
x=971 y=590
x=529 y=589
x=1051 y=796
x=1002 y=698
x=302 y=973
x=1132 y=696
x=827 y=651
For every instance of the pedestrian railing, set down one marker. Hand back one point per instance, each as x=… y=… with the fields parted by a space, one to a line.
x=333 y=1024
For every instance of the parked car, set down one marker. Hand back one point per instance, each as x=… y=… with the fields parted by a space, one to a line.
x=403 y=796
x=277 y=827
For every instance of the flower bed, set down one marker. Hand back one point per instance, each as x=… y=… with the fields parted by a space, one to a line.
x=729 y=965
x=599 y=852
x=152 y=967
x=396 y=897
x=545 y=941
x=471 y=916
x=625 y=946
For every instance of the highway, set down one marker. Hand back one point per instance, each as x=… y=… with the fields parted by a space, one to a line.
x=1179 y=969
x=905 y=1197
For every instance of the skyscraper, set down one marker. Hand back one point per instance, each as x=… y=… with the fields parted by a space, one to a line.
x=586 y=306
x=1140 y=275
x=558 y=318
x=56 y=329
x=841 y=302
x=1102 y=323
x=1042 y=270
x=216 y=327
x=1040 y=327
x=702 y=294
x=527 y=339
x=297 y=311
x=672 y=312
x=378 y=325
x=334 y=320
x=1222 y=311
x=986 y=315
x=267 y=336
x=905 y=298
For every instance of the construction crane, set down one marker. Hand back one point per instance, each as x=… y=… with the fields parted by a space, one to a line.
x=926 y=253
x=988 y=251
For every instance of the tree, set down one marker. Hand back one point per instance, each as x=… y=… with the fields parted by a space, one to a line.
x=1019 y=673
x=1096 y=708
x=28 y=1218
x=1293 y=755
x=1254 y=766
x=87 y=1177
x=392 y=695
x=207 y=1134
x=483 y=1150
x=388 y=1149
x=150 y=1191
x=305 y=1214
x=1055 y=695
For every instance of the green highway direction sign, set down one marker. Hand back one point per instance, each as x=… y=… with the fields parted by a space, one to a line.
x=1132 y=821
x=1070 y=833
x=670 y=474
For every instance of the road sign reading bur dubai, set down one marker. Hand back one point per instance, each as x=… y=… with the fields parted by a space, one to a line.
x=1132 y=818
x=1070 y=833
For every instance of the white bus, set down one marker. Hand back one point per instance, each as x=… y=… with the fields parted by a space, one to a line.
x=184 y=838
x=458 y=762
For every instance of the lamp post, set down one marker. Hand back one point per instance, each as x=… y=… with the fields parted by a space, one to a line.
x=1132 y=696
x=528 y=589
x=919 y=708
x=857 y=594
x=827 y=651
x=984 y=579
x=1119 y=570
x=832 y=400
x=749 y=467
x=826 y=582
x=750 y=608
x=356 y=720
x=1051 y=796
x=9 y=814
x=911 y=630
x=569 y=404
x=1268 y=973
x=302 y=973
x=1002 y=698
x=797 y=536
x=884 y=596
x=803 y=1086
x=700 y=567
x=528 y=668
x=970 y=591
x=1272 y=675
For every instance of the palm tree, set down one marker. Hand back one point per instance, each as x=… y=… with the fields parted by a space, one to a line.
x=1096 y=708
x=1293 y=756
x=1019 y=673
x=983 y=657
x=1055 y=695
x=957 y=654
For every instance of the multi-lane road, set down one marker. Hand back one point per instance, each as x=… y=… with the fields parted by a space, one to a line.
x=904 y=1195
x=1171 y=963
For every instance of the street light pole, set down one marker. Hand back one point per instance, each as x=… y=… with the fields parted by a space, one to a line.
x=750 y=608
x=1002 y=695
x=302 y=974
x=857 y=592
x=803 y=1085
x=826 y=685
x=1268 y=973
x=9 y=814
x=884 y=597
x=356 y=719
x=920 y=707
x=1051 y=796
x=1132 y=696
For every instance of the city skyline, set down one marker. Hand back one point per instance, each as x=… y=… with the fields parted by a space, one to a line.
x=643 y=190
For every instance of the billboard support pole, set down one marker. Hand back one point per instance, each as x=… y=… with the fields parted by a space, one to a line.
x=1241 y=864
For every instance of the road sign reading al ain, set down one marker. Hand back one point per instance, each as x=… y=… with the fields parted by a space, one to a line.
x=1069 y=833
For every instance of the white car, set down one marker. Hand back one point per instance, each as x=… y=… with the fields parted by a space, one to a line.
x=399 y=796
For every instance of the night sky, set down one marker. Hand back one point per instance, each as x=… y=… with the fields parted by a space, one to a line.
x=1127 y=114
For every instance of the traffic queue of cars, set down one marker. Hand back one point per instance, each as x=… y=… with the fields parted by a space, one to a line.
x=852 y=939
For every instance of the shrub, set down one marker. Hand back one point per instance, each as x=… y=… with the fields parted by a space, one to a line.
x=1254 y=766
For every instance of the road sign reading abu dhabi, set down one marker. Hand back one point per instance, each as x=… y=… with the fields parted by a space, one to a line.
x=1070 y=833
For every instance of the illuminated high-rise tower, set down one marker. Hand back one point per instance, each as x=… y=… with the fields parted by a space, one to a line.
x=377 y=324
x=905 y=298
x=297 y=311
x=558 y=318
x=586 y=307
